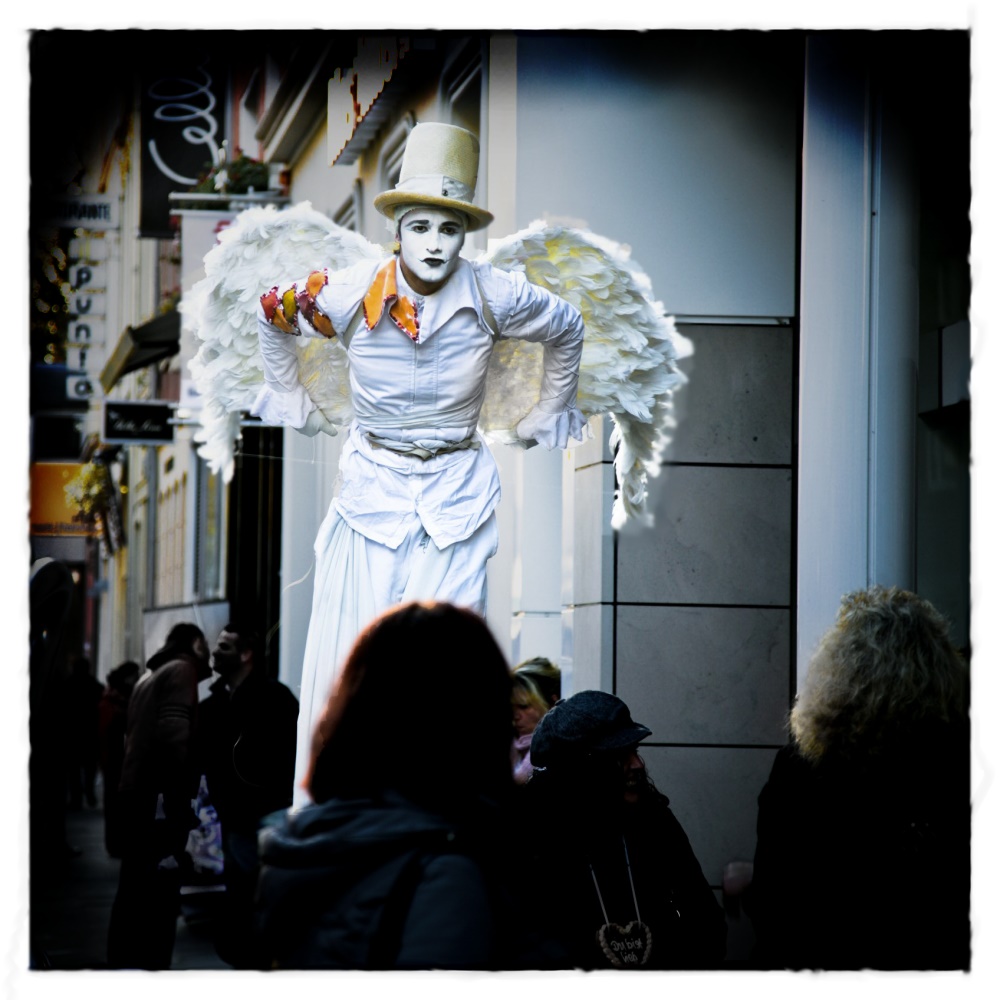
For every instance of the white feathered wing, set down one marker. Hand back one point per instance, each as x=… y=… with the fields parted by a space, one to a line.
x=628 y=369
x=261 y=246
x=630 y=351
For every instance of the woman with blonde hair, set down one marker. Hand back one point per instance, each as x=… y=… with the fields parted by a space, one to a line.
x=863 y=827
x=536 y=687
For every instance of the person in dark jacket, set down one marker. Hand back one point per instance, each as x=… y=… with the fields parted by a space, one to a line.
x=245 y=742
x=112 y=723
x=396 y=863
x=623 y=889
x=83 y=696
x=158 y=782
x=864 y=825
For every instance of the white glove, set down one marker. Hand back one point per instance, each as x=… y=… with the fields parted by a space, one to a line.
x=315 y=422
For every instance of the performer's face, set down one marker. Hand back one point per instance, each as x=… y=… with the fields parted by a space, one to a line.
x=429 y=243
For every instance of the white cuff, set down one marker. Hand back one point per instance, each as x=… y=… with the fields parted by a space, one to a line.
x=290 y=409
x=553 y=430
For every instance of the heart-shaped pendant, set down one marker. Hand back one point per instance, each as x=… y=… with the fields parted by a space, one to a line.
x=626 y=947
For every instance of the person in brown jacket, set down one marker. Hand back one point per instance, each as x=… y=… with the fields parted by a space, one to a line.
x=157 y=785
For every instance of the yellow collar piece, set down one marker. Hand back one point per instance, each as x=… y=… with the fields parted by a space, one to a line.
x=402 y=311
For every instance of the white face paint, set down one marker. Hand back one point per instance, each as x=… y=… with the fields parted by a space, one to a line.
x=430 y=240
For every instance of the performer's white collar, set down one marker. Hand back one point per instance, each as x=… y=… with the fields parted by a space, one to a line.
x=458 y=292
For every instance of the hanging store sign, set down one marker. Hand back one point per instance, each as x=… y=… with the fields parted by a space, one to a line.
x=147 y=423
x=181 y=108
x=84 y=339
x=88 y=308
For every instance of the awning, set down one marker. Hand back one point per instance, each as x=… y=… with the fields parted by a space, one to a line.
x=362 y=97
x=143 y=345
x=354 y=112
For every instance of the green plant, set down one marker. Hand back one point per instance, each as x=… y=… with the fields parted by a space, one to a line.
x=234 y=176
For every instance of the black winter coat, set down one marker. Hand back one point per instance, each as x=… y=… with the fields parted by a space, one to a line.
x=375 y=884
x=687 y=925
x=865 y=865
x=245 y=747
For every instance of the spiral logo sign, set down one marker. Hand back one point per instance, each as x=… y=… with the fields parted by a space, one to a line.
x=188 y=104
x=180 y=130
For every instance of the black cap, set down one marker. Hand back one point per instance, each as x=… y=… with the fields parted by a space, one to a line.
x=588 y=722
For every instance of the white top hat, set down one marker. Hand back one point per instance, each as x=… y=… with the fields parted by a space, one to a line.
x=440 y=167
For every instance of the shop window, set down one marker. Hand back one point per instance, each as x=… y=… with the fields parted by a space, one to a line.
x=209 y=539
x=462 y=89
x=170 y=529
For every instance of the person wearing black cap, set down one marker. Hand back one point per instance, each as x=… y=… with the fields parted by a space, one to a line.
x=624 y=888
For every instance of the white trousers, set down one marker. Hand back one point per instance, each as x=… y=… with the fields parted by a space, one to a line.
x=357 y=579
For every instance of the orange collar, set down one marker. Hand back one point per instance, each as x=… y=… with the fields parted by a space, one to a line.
x=402 y=311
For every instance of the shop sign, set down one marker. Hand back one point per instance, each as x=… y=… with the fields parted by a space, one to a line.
x=87 y=303
x=85 y=211
x=182 y=109
x=146 y=423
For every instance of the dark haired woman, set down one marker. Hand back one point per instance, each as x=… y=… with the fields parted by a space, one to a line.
x=395 y=865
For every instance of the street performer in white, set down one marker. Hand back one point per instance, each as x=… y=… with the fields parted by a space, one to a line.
x=414 y=518
x=416 y=354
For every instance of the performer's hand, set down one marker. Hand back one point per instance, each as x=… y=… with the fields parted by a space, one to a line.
x=315 y=422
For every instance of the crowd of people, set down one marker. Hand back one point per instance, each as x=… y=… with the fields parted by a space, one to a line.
x=471 y=816
x=239 y=740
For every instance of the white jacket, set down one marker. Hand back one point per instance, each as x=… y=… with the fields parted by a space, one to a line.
x=427 y=394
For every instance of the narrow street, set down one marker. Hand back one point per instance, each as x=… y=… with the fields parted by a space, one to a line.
x=70 y=909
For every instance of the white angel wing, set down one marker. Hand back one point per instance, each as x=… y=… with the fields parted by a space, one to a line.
x=630 y=352
x=261 y=246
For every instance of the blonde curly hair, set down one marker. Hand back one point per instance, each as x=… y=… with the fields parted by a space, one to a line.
x=885 y=670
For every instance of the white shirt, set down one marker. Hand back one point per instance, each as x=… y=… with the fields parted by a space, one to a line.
x=428 y=393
